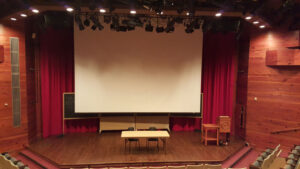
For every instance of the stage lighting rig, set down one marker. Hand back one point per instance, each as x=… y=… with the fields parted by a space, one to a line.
x=170 y=26
x=79 y=22
x=159 y=29
x=149 y=27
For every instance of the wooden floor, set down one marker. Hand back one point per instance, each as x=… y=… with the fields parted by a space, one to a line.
x=107 y=149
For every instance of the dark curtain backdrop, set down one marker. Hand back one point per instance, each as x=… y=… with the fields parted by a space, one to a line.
x=218 y=76
x=57 y=76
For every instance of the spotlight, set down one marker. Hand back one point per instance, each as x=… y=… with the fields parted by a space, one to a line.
x=94 y=18
x=255 y=22
x=70 y=9
x=218 y=14
x=102 y=10
x=35 y=11
x=189 y=28
x=187 y=14
x=23 y=15
x=79 y=22
x=149 y=27
x=107 y=19
x=170 y=26
x=159 y=29
x=133 y=12
x=94 y=27
x=248 y=17
x=86 y=21
x=13 y=19
x=262 y=26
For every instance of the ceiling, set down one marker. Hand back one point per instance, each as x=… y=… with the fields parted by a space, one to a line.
x=275 y=12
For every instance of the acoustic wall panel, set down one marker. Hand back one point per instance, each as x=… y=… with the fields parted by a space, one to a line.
x=15 y=70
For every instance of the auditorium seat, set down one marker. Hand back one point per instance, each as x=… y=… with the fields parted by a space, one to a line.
x=160 y=167
x=138 y=167
x=177 y=167
x=152 y=139
x=211 y=166
x=200 y=166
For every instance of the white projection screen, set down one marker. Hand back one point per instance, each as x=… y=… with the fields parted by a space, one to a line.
x=137 y=71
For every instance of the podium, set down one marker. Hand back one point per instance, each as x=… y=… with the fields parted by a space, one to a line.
x=224 y=123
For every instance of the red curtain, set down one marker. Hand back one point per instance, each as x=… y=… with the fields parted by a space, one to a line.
x=219 y=60
x=57 y=76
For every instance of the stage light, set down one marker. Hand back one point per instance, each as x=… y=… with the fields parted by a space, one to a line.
x=218 y=14
x=149 y=27
x=255 y=22
x=159 y=29
x=107 y=19
x=102 y=10
x=35 y=11
x=248 y=17
x=79 y=22
x=133 y=12
x=70 y=9
x=13 y=19
x=189 y=28
x=23 y=15
x=86 y=22
x=262 y=26
x=170 y=26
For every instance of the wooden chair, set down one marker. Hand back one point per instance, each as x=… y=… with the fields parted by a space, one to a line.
x=152 y=139
x=130 y=140
x=200 y=166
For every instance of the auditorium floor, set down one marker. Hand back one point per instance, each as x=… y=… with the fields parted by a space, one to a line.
x=107 y=149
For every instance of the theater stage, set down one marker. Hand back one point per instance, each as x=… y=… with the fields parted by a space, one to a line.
x=107 y=149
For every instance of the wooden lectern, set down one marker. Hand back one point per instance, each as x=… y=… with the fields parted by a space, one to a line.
x=224 y=123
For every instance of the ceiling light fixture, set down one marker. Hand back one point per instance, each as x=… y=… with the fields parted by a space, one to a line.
x=35 y=11
x=13 y=19
x=133 y=11
x=218 y=14
x=255 y=22
x=248 y=17
x=102 y=10
x=69 y=9
x=23 y=15
x=262 y=26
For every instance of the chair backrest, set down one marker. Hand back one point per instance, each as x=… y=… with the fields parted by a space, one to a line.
x=210 y=166
x=152 y=128
x=138 y=167
x=200 y=166
x=130 y=129
x=160 y=167
x=7 y=164
x=298 y=164
x=266 y=163
x=177 y=167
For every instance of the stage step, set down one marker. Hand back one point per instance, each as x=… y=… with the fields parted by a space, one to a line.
x=233 y=160
x=35 y=161
x=247 y=160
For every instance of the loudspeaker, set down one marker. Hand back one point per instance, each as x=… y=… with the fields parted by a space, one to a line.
x=1 y=54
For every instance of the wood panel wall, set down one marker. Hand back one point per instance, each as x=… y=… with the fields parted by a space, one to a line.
x=12 y=138
x=277 y=90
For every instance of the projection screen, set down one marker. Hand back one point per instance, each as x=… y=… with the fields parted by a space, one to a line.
x=137 y=71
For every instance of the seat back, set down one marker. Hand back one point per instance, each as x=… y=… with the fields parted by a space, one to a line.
x=210 y=166
x=7 y=164
x=266 y=163
x=200 y=166
x=177 y=167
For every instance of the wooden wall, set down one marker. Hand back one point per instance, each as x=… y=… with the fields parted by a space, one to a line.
x=277 y=90
x=12 y=138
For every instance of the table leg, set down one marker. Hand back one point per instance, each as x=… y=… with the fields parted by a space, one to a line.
x=218 y=136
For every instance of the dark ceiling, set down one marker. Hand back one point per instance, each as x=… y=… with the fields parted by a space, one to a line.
x=275 y=12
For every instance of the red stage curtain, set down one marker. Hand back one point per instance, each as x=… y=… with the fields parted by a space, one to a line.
x=57 y=76
x=219 y=59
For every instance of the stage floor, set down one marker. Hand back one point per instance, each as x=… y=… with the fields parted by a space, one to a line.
x=107 y=149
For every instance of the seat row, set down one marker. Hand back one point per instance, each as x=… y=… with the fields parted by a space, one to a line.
x=268 y=158
x=8 y=162
x=293 y=160
x=200 y=166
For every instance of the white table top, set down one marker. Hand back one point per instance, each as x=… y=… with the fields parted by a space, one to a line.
x=144 y=134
